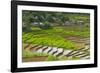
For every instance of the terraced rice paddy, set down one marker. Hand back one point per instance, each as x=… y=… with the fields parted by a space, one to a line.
x=59 y=43
x=55 y=36
x=59 y=53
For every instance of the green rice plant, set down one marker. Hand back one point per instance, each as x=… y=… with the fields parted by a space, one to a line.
x=52 y=41
x=28 y=54
x=75 y=58
x=55 y=37
x=51 y=58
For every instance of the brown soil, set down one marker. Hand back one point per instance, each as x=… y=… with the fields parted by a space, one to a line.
x=79 y=42
x=34 y=59
x=77 y=39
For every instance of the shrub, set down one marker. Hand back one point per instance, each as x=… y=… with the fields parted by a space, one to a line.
x=45 y=25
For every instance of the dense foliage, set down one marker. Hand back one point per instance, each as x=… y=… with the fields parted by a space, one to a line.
x=46 y=20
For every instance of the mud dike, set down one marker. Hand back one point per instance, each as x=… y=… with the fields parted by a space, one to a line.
x=82 y=53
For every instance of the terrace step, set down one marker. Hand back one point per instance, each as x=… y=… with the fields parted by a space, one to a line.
x=82 y=53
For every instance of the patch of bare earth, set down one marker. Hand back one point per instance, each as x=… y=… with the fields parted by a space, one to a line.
x=34 y=59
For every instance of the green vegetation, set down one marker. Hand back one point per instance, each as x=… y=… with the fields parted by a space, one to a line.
x=52 y=29
x=51 y=58
x=56 y=37
x=26 y=53
x=46 y=20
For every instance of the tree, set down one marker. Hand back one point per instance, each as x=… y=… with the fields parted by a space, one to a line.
x=45 y=20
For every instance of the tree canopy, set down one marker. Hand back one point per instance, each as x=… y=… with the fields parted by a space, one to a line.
x=45 y=20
